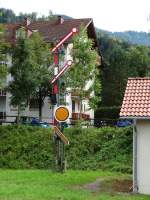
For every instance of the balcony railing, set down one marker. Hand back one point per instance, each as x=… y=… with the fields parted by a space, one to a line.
x=76 y=116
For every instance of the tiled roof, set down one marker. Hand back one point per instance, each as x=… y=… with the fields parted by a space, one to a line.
x=52 y=31
x=136 y=102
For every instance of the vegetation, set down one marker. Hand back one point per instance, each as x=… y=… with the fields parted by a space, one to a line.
x=31 y=147
x=120 y=61
x=8 y=16
x=30 y=62
x=84 y=69
x=132 y=37
x=3 y=56
x=72 y=185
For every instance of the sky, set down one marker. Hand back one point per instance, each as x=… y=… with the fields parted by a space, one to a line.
x=111 y=15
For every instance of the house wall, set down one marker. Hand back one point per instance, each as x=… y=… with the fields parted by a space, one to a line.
x=143 y=156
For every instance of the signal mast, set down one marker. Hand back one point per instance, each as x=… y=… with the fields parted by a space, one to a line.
x=59 y=138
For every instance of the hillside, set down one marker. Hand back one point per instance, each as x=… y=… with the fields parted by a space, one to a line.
x=133 y=37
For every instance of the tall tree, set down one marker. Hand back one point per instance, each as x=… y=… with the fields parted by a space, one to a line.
x=84 y=69
x=43 y=59
x=29 y=69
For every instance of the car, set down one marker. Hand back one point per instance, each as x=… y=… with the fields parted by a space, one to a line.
x=124 y=123
x=34 y=122
x=37 y=122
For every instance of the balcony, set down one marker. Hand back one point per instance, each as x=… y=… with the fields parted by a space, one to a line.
x=76 y=116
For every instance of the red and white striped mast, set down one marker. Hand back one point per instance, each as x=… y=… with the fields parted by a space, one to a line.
x=58 y=73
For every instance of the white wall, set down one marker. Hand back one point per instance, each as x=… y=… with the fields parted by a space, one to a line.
x=143 y=156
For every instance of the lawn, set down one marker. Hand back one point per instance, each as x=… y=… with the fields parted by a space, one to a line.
x=72 y=185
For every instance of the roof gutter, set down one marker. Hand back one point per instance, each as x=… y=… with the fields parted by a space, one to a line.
x=132 y=117
x=135 y=179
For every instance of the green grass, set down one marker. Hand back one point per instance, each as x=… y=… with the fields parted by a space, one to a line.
x=48 y=185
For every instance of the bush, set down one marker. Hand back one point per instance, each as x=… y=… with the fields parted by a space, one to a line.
x=32 y=147
x=105 y=148
x=25 y=147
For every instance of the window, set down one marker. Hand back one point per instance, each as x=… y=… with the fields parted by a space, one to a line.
x=73 y=105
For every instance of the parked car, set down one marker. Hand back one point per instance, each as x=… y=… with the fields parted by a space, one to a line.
x=124 y=123
x=36 y=122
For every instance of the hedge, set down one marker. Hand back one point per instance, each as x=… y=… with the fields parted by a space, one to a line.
x=92 y=148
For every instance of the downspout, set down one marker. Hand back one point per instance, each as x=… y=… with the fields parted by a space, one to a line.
x=135 y=179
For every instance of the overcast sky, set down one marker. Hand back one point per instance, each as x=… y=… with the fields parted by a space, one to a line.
x=112 y=15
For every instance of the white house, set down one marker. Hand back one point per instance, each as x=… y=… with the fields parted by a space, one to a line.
x=136 y=106
x=52 y=31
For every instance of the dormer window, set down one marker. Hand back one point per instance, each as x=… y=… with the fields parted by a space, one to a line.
x=20 y=33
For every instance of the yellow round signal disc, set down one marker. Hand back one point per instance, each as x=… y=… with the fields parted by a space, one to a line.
x=61 y=113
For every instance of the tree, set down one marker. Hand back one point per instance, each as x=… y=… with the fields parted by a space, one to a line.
x=84 y=69
x=7 y=16
x=3 y=56
x=139 y=57
x=120 y=61
x=29 y=69
x=43 y=59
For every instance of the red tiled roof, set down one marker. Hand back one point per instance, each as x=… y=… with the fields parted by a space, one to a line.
x=136 y=102
x=52 y=31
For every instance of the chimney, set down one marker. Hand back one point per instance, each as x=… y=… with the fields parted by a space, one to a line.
x=27 y=21
x=60 y=19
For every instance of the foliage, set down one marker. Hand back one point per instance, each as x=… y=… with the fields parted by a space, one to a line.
x=3 y=56
x=132 y=37
x=31 y=147
x=108 y=112
x=30 y=62
x=120 y=61
x=8 y=16
x=98 y=148
x=84 y=68
x=25 y=147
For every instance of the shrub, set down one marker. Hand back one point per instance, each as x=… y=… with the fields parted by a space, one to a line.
x=92 y=148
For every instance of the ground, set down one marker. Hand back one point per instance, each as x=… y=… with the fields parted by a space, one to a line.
x=72 y=185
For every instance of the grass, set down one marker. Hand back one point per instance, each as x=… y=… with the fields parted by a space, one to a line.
x=47 y=185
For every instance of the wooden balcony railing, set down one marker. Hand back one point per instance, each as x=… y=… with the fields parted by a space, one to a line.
x=76 y=116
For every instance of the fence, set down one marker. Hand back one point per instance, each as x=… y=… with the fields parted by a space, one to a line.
x=97 y=122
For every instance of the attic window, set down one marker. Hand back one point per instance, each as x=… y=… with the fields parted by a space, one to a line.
x=20 y=33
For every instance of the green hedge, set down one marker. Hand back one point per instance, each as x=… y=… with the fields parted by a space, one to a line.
x=31 y=147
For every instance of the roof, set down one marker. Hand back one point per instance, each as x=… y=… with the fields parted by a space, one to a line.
x=53 y=31
x=136 y=102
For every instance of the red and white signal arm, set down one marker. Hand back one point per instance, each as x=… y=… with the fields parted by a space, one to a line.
x=61 y=113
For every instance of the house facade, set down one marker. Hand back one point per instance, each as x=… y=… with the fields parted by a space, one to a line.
x=136 y=106
x=52 y=32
